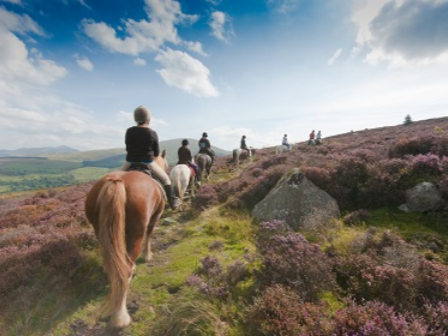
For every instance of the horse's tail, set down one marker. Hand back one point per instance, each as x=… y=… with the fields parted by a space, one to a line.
x=111 y=226
x=175 y=180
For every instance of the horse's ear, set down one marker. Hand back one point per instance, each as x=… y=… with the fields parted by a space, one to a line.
x=163 y=153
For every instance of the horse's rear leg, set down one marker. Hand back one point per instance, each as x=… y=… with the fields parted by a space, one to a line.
x=147 y=253
x=120 y=318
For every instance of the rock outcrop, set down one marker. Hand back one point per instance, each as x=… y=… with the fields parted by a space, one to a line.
x=423 y=197
x=298 y=202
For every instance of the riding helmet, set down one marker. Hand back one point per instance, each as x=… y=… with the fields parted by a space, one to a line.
x=142 y=114
x=185 y=142
x=205 y=135
x=244 y=137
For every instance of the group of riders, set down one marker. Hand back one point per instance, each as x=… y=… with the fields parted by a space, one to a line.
x=142 y=146
x=313 y=139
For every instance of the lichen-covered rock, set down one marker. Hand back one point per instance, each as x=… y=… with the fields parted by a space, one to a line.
x=424 y=197
x=298 y=202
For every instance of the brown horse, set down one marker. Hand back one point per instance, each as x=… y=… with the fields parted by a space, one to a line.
x=240 y=155
x=123 y=208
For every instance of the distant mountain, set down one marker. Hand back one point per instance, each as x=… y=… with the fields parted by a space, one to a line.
x=112 y=158
x=36 y=151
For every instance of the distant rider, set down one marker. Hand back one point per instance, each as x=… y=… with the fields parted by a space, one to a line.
x=244 y=146
x=184 y=157
x=142 y=145
x=312 y=136
x=285 y=142
x=205 y=147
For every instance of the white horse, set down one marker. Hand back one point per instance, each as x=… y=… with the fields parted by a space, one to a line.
x=282 y=148
x=240 y=155
x=182 y=180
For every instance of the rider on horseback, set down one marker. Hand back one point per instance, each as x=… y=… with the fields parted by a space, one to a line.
x=205 y=147
x=142 y=145
x=244 y=146
x=184 y=157
x=285 y=142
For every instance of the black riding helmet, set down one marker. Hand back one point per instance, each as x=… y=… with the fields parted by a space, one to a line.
x=185 y=142
x=205 y=135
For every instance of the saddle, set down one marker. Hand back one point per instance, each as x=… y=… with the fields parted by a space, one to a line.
x=141 y=167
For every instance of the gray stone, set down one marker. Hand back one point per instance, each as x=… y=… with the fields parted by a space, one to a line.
x=298 y=202
x=424 y=197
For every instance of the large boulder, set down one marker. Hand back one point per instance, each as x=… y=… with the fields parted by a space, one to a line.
x=423 y=197
x=298 y=202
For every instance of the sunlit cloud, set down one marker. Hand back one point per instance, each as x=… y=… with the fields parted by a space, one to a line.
x=186 y=73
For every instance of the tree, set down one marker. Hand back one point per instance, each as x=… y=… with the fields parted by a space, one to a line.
x=407 y=120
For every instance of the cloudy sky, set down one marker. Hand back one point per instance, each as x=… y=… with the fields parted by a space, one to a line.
x=72 y=71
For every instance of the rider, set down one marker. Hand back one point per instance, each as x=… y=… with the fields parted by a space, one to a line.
x=244 y=146
x=184 y=157
x=285 y=142
x=205 y=147
x=142 y=145
x=312 y=136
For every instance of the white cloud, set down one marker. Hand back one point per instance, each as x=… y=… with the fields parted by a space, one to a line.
x=123 y=116
x=21 y=24
x=84 y=62
x=16 y=2
x=214 y=2
x=284 y=6
x=139 y=61
x=335 y=56
x=221 y=26
x=16 y=63
x=196 y=47
x=186 y=73
x=142 y=36
x=405 y=32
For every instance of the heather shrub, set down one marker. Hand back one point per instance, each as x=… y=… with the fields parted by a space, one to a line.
x=321 y=177
x=413 y=146
x=280 y=311
x=376 y=318
x=431 y=281
x=436 y=317
x=428 y=164
x=290 y=260
x=205 y=198
x=212 y=281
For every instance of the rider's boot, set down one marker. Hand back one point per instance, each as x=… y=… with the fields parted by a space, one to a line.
x=172 y=199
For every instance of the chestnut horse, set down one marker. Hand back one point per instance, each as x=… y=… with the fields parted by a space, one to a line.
x=240 y=155
x=123 y=208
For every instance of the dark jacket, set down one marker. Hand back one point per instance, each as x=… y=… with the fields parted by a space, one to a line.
x=243 y=144
x=184 y=155
x=142 y=144
x=204 y=144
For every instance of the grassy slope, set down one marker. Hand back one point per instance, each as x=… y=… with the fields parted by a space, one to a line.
x=178 y=248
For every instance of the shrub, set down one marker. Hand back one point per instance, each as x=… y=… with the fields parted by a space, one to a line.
x=280 y=311
x=205 y=198
x=413 y=146
x=290 y=260
x=428 y=164
x=376 y=318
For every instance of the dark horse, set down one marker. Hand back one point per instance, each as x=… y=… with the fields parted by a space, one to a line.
x=239 y=155
x=123 y=208
x=204 y=162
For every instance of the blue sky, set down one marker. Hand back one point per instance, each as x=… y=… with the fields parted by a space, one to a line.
x=72 y=71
